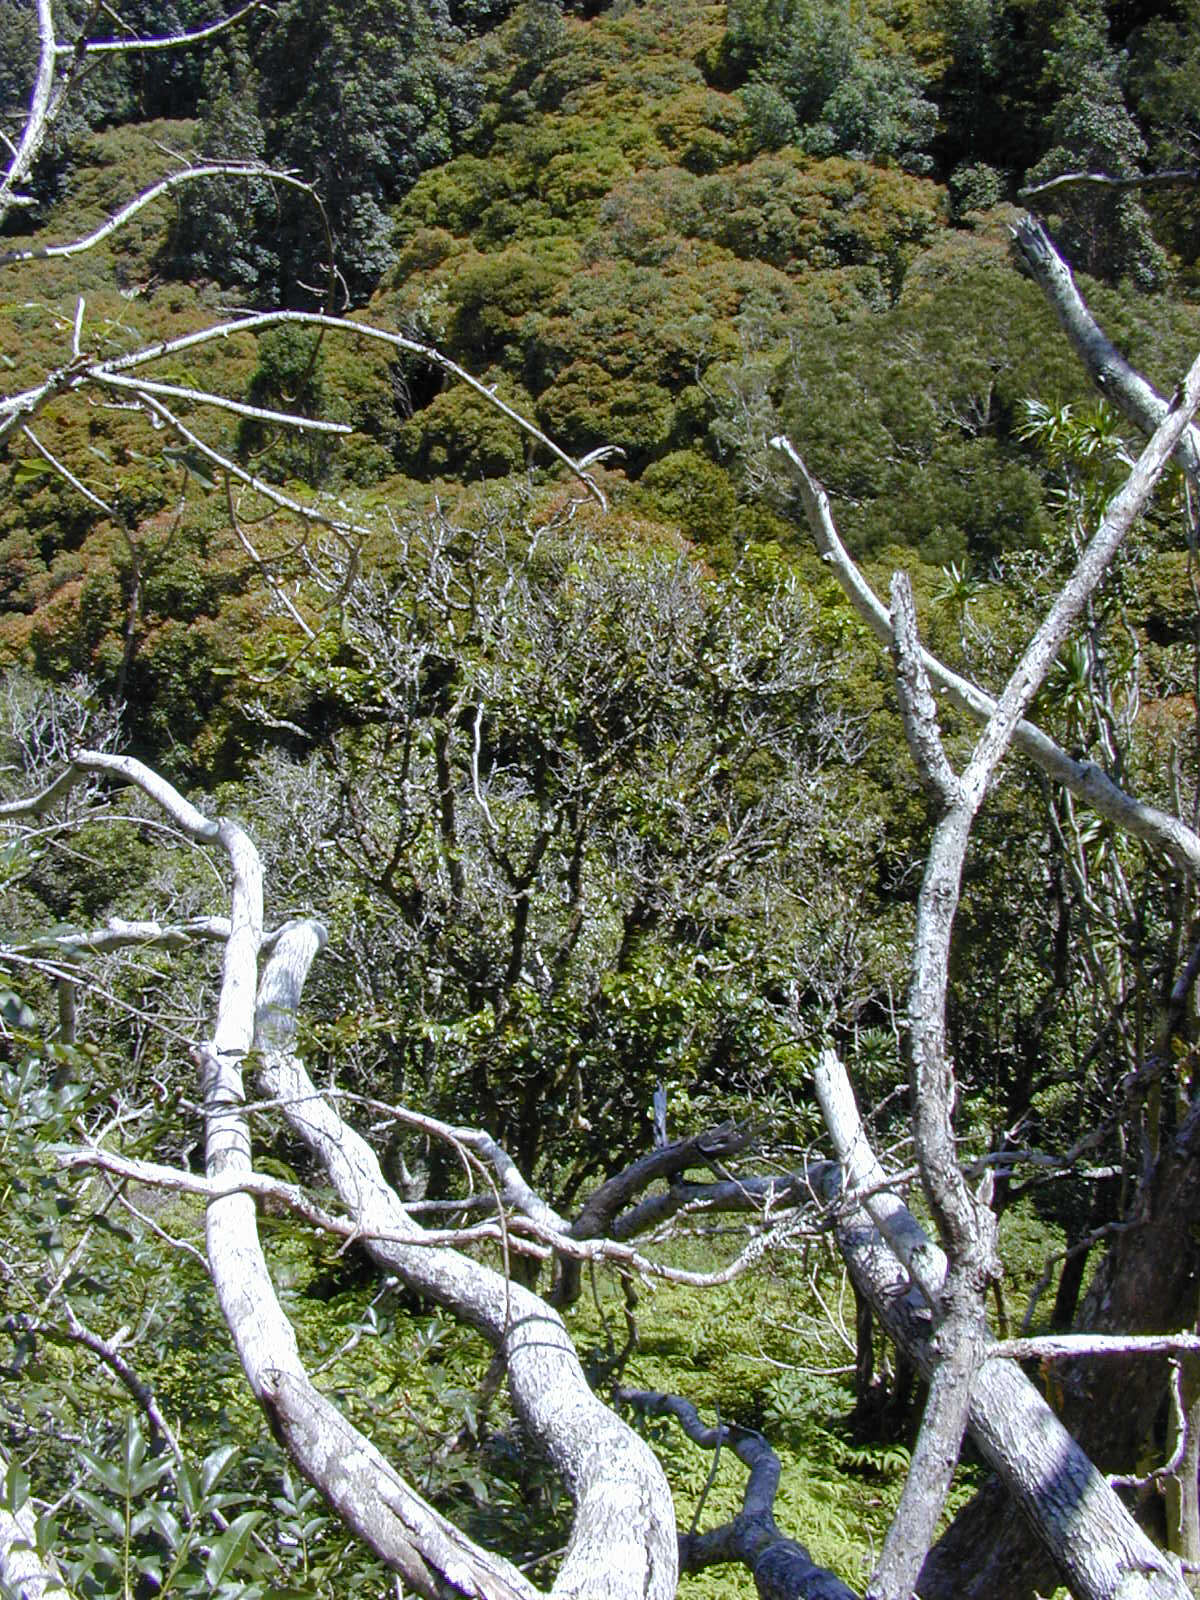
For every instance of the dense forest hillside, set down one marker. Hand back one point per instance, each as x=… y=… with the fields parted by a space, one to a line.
x=462 y=567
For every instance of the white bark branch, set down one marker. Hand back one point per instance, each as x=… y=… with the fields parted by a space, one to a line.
x=361 y=1486
x=624 y=1523
x=165 y=41
x=965 y=1224
x=24 y=1573
x=365 y=330
x=66 y=474
x=16 y=410
x=1084 y=779
x=1072 y=1346
x=34 y=132
x=117 y=934
x=203 y=397
x=1107 y=367
x=174 y=180
x=1105 y=180
x=917 y=705
x=1098 y=1547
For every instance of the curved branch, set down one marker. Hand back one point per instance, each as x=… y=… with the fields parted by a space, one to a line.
x=175 y=180
x=764 y=1195
x=606 y=1202
x=624 y=1523
x=37 y=120
x=168 y=41
x=782 y=1568
x=65 y=473
x=17 y=409
x=362 y=1487
x=1105 y=364
x=1104 y=180
x=315 y=319
x=1073 y=1510
x=1083 y=778
x=203 y=397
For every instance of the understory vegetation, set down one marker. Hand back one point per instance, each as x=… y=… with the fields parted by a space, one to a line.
x=599 y=789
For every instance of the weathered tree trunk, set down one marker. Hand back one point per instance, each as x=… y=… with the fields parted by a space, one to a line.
x=1146 y=1284
x=623 y=1540
x=26 y=1574
x=1097 y=1548
x=623 y=1543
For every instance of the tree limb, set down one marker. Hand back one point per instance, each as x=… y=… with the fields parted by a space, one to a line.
x=1096 y=1545
x=1084 y=779
x=1104 y=180
x=624 y=1523
x=782 y=1568
x=166 y=41
x=34 y=132
x=1107 y=367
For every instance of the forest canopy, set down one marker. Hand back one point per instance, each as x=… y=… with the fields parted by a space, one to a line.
x=472 y=806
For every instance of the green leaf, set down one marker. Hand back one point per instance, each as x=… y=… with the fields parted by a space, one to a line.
x=229 y=1546
x=151 y=1567
x=30 y=469
x=109 y=1516
x=135 y=1447
x=164 y=1522
x=145 y=1479
x=16 y=1488
x=108 y=1473
x=216 y=1464
x=191 y=461
x=14 y=1010
x=188 y=1487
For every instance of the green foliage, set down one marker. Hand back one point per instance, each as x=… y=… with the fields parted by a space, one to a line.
x=1092 y=130
x=583 y=783
x=693 y=493
x=576 y=810
x=1164 y=74
x=222 y=227
x=459 y=433
x=846 y=95
x=289 y=377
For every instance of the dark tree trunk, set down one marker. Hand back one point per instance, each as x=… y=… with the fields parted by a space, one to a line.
x=1146 y=1284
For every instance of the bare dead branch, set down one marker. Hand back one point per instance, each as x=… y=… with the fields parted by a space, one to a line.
x=1069 y=1346
x=1102 y=180
x=34 y=132
x=916 y=697
x=174 y=180
x=783 y=1569
x=1110 y=372
x=1084 y=779
x=110 y=1355
x=203 y=397
x=23 y=1572
x=1072 y=1509
x=65 y=473
x=166 y=41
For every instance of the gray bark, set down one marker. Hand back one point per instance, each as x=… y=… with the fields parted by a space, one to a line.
x=966 y=1225
x=1096 y=1547
x=1084 y=779
x=623 y=1540
x=1139 y=400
